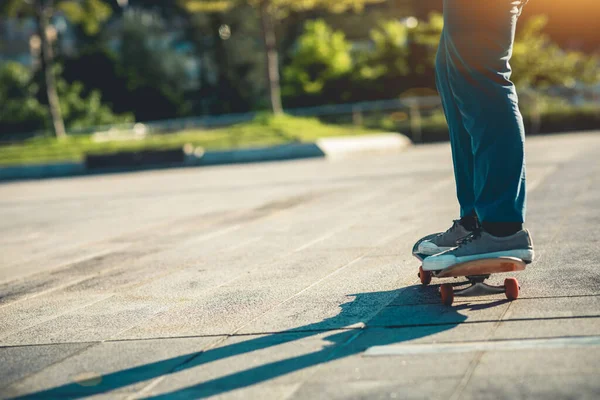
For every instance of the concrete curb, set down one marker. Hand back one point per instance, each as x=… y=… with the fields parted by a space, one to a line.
x=348 y=146
x=261 y=154
x=42 y=171
x=333 y=148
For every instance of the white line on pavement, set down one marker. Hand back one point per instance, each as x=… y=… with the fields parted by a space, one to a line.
x=499 y=345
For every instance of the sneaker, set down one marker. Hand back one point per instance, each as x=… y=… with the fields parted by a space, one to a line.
x=479 y=245
x=443 y=241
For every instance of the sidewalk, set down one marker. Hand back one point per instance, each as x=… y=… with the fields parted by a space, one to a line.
x=292 y=280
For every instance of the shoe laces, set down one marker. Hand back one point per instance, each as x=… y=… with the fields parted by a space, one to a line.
x=476 y=234
x=453 y=227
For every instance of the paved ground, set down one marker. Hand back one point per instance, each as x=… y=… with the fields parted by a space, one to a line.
x=292 y=280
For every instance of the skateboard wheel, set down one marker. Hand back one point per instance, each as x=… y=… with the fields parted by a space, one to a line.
x=447 y=293
x=511 y=287
x=425 y=276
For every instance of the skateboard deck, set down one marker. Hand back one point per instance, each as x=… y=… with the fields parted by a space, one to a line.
x=485 y=266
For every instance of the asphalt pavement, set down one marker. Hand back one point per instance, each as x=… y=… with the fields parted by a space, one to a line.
x=292 y=280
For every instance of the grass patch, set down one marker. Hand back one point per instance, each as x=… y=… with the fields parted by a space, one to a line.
x=264 y=130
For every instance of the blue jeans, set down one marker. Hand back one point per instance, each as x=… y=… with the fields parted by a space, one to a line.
x=480 y=102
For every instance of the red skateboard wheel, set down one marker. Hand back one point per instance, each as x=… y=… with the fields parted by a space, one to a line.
x=511 y=287
x=425 y=276
x=447 y=293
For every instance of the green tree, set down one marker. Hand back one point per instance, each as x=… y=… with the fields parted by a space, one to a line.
x=227 y=43
x=400 y=58
x=87 y=13
x=154 y=73
x=389 y=56
x=423 y=42
x=321 y=55
x=539 y=62
x=269 y=12
x=83 y=111
x=21 y=110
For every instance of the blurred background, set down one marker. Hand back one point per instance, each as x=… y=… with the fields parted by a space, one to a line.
x=81 y=77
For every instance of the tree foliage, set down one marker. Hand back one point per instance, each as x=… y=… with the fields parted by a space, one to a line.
x=23 y=108
x=151 y=67
x=144 y=73
x=401 y=53
x=321 y=55
x=21 y=111
x=389 y=53
x=401 y=57
x=235 y=79
x=82 y=111
x=268 y=12
x=279 y=8
x=539 y=62
x=89 y=14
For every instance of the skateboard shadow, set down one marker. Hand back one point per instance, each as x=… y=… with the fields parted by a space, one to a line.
x=409 y=322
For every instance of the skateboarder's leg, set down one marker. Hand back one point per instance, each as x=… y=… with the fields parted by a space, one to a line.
x=479 y=38
x=460 y=141
x=462 y=157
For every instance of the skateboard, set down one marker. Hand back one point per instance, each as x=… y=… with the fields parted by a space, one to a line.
x=476 y=272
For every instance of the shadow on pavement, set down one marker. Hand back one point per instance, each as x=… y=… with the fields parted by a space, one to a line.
x=343 y=344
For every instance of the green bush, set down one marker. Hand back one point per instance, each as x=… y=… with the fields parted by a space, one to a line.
x=568 y=119
x=539 y=62
x=20 y=111
x=552 y=120
x=321 y=60
x=23 y=112
x=81 y=112
x=322 y=54
x=401 y=57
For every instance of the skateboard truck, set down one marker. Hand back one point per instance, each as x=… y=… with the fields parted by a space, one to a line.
x=479 y=288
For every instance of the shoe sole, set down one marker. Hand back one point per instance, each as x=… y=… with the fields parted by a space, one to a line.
x=438 y=264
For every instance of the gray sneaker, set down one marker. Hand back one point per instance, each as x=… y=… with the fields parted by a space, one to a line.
x=479 y=245
x=443 y=241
